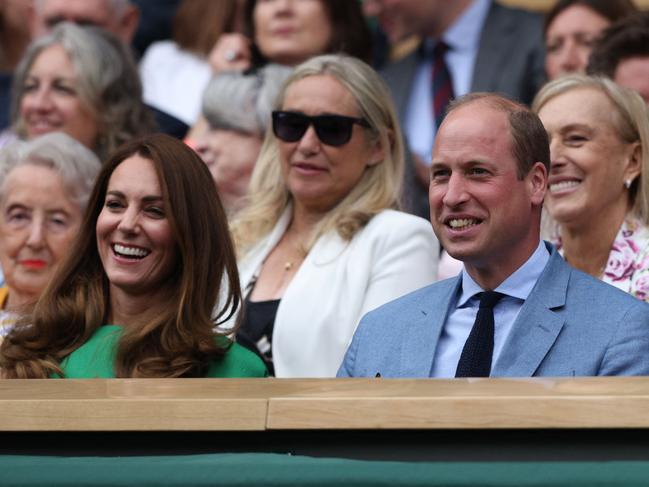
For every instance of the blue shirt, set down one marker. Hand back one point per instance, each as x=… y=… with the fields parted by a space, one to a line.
x=461 y=317
x=463 y=37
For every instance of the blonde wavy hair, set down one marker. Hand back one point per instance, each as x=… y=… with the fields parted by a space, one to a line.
x=630 y=119
x=379 y=186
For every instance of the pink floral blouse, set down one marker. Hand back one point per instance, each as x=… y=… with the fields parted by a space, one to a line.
x=628 y=263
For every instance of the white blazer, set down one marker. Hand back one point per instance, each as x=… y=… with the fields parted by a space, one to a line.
x=338 y=283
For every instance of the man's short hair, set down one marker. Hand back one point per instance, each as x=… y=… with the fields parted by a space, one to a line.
x=624 y=39
x=530 y=143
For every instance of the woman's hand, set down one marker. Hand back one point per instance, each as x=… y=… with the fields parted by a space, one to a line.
x=232 y=52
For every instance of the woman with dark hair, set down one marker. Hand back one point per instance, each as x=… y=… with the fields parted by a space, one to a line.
x=571 y=28
x=136 y=296
x=291 y=32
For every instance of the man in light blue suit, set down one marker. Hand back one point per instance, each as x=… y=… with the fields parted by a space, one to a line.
x=488 y=180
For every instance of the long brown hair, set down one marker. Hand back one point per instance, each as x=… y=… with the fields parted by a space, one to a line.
x=178 y=342
x=198 y=24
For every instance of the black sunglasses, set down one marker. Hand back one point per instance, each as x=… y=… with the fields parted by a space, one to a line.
x=333 y=130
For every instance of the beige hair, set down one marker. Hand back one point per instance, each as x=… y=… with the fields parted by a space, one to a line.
x=379 y=186
x=630 y=120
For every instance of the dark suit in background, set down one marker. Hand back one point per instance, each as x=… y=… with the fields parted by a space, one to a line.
x=510 y=61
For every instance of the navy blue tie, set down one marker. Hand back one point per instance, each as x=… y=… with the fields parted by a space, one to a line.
x=478 y=350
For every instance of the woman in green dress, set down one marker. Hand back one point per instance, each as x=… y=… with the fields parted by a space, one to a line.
x=136 y=297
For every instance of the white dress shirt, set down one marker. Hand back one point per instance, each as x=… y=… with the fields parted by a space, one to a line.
x=459 y=322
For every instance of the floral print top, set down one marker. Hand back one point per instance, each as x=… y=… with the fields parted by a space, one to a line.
x=628 y=263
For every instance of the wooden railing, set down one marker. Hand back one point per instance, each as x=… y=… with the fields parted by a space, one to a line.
x=289 y=404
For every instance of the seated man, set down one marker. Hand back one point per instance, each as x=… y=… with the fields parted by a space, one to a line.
x=488 y=179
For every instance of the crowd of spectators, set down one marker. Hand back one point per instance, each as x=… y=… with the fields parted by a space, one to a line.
x=261 y=174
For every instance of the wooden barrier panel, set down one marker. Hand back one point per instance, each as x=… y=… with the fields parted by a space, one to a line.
x=132 y=405
x=288 y=404
x=466 y=403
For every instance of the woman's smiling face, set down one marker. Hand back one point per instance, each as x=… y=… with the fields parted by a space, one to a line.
x=589 y=160
x=134 y=237
x=51 y=100
x=38 y=222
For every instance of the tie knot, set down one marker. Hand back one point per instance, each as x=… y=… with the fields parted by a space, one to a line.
x=488 y=299
x=440 y=48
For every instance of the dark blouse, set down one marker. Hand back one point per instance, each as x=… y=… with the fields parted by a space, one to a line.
x=256 y=331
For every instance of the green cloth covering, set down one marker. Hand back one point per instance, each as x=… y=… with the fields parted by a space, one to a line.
x=254 y=469
x=96 y=359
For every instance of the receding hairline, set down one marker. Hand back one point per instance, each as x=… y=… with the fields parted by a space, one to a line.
x=495 y=101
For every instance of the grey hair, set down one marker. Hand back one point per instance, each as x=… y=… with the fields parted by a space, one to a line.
x=243 y=101
x=77 y=165
x=108 y=83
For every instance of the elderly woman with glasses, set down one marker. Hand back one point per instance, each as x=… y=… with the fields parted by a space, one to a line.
x=320 y=242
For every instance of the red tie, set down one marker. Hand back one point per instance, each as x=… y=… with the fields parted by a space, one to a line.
x=442 y=83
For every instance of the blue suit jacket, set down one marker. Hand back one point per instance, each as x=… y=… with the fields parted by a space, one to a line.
x=570 y=325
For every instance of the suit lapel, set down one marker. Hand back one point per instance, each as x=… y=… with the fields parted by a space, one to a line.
x=537 y=326
x=399 y=77
x=424 y=328
x=494 y=40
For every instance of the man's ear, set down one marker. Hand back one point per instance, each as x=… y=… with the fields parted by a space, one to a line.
x=537 y=179
x=128 y=23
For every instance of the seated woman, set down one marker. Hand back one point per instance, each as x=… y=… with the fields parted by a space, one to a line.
x=289 y=33
x=320 y=243
x=571 y=29
x=81 y=81
x=136 y=296
x=237 y=108
x=44 y=188
x=175 y=71
x=598 y=193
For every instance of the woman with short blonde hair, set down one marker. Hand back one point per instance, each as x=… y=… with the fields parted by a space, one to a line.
x=598 y=193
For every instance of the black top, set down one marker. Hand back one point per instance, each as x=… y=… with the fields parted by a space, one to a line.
x=256 y=331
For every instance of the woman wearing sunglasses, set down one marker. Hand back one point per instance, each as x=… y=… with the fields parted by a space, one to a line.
x=320 y=242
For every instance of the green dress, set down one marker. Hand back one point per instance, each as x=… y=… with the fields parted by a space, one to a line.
x=96 y=359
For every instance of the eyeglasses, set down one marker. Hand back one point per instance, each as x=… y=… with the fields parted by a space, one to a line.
x=335 y=130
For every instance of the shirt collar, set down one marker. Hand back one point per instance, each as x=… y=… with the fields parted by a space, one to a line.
x=518 y=285
x=463 y=35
